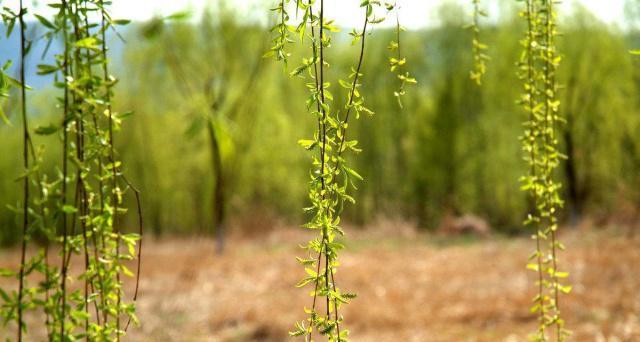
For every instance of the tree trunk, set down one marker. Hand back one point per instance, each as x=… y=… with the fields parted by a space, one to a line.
x=218 y=191
x=575 y=200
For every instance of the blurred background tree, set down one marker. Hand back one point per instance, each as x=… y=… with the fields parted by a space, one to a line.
x=212 y=142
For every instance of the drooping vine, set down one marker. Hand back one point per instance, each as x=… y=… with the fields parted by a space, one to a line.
x=282 y=28
x=538 y=66
x=479 y=49
x=34 y=208
x=397 y=62
x=25 y=156
x=331 y=177
x=76 y=207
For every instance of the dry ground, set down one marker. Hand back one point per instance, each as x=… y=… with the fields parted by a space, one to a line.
x=411 y=287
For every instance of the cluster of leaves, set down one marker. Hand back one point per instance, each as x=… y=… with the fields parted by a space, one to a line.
x=537 y=69
x=77 y=207
x=331 y=177
x=6 y=83
x=283 y=28
x=479 y=49
x=397 y=62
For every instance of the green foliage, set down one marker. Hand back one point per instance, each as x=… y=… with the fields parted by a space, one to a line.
x=208 y=81
x=448 y=151
x=86 y=226
x=398 y=62
x=480 y=57
x=538 y=69
x=331 y=177
x=5 y=86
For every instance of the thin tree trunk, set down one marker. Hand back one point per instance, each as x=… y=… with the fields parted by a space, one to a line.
x=218 y=191
x=575 y=200
x=575 y=196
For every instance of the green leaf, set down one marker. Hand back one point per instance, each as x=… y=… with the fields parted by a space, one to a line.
x=121 y=22
x=45 y=22
x=88 y=43
x=308 y=144
x=69 y=209
x=311 y=272
x=6 y=273
x=4 y=296
x=179 y=15
x=46 y=130
x=566 y=289
x=44 y=69
x=353 y=173
x=126 y=271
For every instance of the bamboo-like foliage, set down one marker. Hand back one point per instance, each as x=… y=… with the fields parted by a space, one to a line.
x=331 y=177
x=537 y=69
x=479 y=49
x=77 y=208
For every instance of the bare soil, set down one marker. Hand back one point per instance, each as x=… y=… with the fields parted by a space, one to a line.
x=411 y=287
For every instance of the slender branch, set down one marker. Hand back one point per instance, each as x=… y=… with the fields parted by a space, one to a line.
x=94 y=118
x=114 y=194
x=549 y=141
x=65 y=169
x=354 y=85
x=80 y=154
x=25 y=155
x=320 y=109
x=141 y=233
x=325 y=193
x=531 y=94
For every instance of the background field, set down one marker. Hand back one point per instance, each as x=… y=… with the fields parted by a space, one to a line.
x=411 y=287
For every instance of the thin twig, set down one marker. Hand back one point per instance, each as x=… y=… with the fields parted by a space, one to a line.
x=25 y=155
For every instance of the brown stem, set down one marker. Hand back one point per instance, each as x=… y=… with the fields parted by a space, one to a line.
x=25 y=155
x=218 y=195
x=96 y=253
x=65 y=168
x=532 y=155
x=549 y=137
x=343 y=127
x=141 y=233
x=315 y=290
x=114 y=194
x=318 y=78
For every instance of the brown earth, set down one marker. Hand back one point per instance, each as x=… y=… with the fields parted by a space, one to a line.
x=411 y=287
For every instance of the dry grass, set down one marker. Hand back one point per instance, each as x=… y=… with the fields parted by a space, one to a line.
x=411 y=288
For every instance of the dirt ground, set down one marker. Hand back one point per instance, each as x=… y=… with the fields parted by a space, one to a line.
x=411 y=287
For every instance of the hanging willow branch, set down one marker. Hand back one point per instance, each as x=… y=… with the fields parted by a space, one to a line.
x=540 y=144
x=63 y=15
x=86 y=225
x=479 y=49
x=25 y=156
x=331 y=177
x=397 y=62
